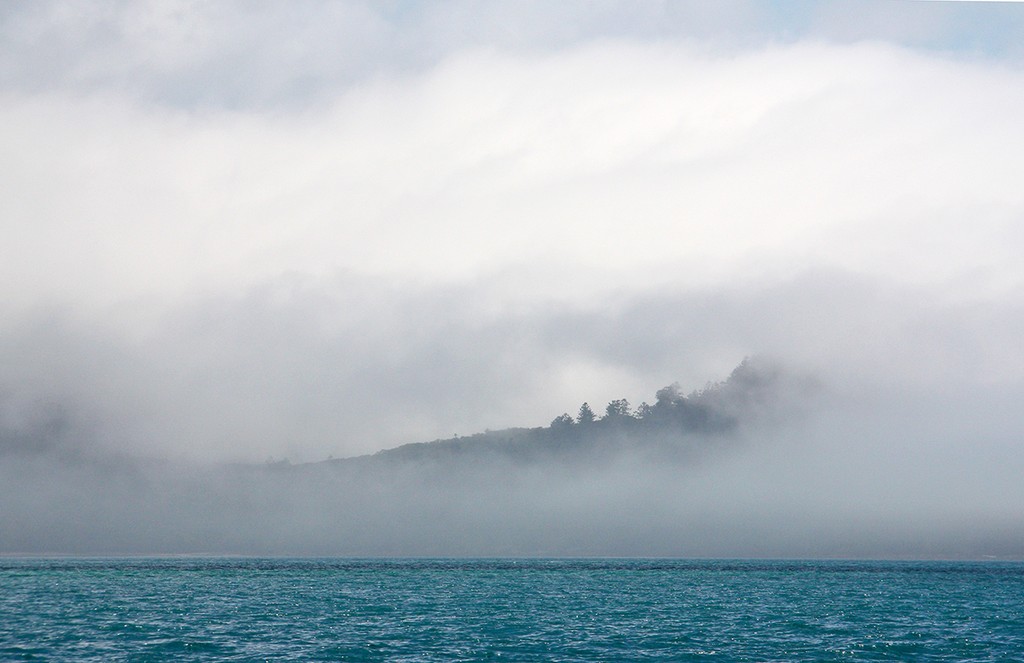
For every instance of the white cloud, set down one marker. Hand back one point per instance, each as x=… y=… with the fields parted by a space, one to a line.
x=614 y=157
x=493 y=238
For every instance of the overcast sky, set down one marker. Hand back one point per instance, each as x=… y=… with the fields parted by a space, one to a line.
x=249 y=230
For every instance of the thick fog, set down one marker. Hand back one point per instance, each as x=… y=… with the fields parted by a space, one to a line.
x=812 y=471
x=242 y=242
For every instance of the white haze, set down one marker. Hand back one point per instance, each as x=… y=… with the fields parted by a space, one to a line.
x=440 y=219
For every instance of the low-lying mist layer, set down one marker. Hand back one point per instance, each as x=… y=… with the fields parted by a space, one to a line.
x=764 y=464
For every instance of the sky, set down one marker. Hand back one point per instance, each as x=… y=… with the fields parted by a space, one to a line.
x=240 y=231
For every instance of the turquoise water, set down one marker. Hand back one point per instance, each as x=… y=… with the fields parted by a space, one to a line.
x=243 y=609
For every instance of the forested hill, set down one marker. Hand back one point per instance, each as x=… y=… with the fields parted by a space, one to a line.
x=675 y=424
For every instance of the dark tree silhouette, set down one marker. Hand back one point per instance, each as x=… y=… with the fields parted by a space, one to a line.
x=562 y=421
x=586 y=415
x=617 y=408
x=668 y=396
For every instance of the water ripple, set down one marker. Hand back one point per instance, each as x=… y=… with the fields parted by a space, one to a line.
x=241 y=609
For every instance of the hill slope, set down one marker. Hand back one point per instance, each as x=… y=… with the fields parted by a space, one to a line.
x=676 y=425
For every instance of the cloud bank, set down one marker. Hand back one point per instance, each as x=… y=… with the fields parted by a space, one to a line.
x=502 y=225
x=234 y=233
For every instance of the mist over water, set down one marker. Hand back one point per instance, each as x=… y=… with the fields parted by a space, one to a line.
x=242 y=244
x=811 y=475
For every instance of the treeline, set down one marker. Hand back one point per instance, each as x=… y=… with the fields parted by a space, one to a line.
x=717 y=407
x=674 y=422
x=670 y=408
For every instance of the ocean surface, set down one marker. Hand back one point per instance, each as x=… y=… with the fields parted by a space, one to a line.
x=244 y=609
